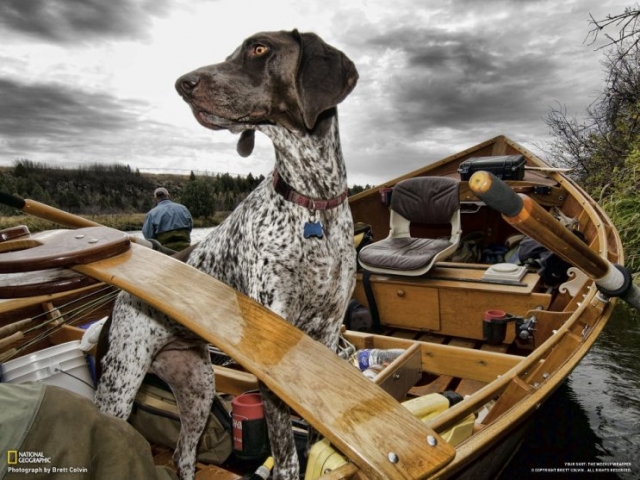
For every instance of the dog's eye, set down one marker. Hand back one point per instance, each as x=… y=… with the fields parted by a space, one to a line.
x=259 y=50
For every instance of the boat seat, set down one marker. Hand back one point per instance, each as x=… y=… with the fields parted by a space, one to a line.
x=420 y=200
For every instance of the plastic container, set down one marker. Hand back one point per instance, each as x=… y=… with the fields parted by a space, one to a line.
x=375 y=356
x=62 y=365
x=427 y=406
x=494 y=326
x=506 y=167
x=250 y=438
x=505 y=272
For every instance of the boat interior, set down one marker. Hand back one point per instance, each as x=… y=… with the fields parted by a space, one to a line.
x=497 y=335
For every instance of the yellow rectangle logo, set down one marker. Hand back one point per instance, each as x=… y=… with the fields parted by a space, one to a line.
x=12 y=457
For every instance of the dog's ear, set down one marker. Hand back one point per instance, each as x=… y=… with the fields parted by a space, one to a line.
x=324 y=78
x=246 y=142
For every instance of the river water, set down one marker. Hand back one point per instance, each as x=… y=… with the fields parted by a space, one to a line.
x=593 y=419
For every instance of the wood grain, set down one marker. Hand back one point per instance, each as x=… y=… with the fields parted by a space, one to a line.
x=359 y=418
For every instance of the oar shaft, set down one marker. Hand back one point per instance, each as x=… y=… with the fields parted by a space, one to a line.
x=535 y=221
x=67 y=219
x=531 y=219
x=41 y=210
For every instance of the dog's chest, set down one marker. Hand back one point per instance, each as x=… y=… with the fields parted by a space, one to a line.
x=261 y=250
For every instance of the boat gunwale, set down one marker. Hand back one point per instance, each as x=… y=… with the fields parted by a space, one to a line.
x=482 y=440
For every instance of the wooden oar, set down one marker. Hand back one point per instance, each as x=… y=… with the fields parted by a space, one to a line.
x=66 y=219
x=531 y=219
x=369 y=426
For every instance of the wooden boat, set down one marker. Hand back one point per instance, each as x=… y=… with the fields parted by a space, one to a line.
x=439 y=324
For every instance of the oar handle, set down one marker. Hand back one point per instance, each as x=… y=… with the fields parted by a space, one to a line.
x=531 y=219
x=495 y=193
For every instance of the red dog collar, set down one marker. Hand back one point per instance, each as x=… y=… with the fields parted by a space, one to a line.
x=287 y=191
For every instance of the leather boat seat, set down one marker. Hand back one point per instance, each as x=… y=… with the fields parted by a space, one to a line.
x=420 y=200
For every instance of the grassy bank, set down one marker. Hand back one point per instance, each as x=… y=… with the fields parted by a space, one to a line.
x=124 y=222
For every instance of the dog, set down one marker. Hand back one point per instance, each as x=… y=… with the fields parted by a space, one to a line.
x=288 y=245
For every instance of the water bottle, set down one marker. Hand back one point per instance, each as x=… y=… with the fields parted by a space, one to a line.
x=263 y=471
x=376 y=356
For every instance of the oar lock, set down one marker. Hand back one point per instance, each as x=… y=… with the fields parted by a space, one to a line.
x=494 y=326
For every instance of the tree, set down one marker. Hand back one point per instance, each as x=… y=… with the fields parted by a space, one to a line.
x=604 y=147
x=598 y=145
x=628 y=24
x=198 y=197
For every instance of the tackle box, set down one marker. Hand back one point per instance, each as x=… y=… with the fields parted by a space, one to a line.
x=505 y=167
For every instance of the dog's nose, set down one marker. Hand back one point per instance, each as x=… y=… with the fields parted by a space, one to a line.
x=187 y=83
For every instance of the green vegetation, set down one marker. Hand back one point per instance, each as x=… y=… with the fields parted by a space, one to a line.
x=116 y=196
x=603 y=148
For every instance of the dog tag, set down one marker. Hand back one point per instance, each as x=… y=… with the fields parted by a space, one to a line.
x=313 y=229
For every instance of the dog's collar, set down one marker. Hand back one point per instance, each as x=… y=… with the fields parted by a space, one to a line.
x=287 y=191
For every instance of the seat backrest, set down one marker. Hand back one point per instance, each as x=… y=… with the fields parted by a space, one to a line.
x=422 y=200
x=426 y=200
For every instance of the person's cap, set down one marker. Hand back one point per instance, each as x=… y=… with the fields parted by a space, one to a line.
x=161 y=192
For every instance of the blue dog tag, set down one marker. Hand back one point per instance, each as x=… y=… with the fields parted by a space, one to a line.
x=313 y=229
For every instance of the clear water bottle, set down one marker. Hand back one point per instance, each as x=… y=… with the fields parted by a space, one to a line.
x=376 y=356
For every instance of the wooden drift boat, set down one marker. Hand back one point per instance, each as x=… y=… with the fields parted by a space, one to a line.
x=466 y=346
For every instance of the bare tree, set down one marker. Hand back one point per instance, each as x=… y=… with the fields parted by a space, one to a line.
x=596 y=147
x=571 y=145
x=627 y=24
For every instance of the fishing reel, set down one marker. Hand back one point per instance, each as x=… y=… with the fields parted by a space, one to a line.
x=494 y=327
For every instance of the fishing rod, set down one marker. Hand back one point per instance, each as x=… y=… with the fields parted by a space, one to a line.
x=19 y=330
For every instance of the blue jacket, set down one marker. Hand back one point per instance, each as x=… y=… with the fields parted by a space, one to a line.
x=165 y=217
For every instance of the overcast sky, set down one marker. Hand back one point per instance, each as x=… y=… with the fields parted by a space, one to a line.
x=86 y=81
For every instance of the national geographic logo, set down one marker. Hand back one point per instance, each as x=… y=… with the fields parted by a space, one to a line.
x=16 y=457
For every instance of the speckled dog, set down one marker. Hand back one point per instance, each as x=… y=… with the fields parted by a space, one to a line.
x=289 y=245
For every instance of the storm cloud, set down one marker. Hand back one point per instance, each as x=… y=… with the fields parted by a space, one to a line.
x=80 y=21
x=94 y=79
x=49 y=110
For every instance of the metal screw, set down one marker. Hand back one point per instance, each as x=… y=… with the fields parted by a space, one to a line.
x=79 y=236
x=393 y=457
x=545 y=375
x=431 y=440
x=93 y=240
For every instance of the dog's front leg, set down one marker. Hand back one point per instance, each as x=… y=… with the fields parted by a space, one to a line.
x=283 y=447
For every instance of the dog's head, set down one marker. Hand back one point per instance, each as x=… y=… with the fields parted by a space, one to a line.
x=281 y=78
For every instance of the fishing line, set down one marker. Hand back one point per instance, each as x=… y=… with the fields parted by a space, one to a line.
x=75 y=311
x=67 y=318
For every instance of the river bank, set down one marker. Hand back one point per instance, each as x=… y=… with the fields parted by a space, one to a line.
x=125 y=222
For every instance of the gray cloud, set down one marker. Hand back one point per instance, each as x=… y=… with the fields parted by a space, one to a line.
x=73 y=21
x=437 y=80
x=464 y=79
x=48 y=118
x=49 y=110
x=433 y=80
